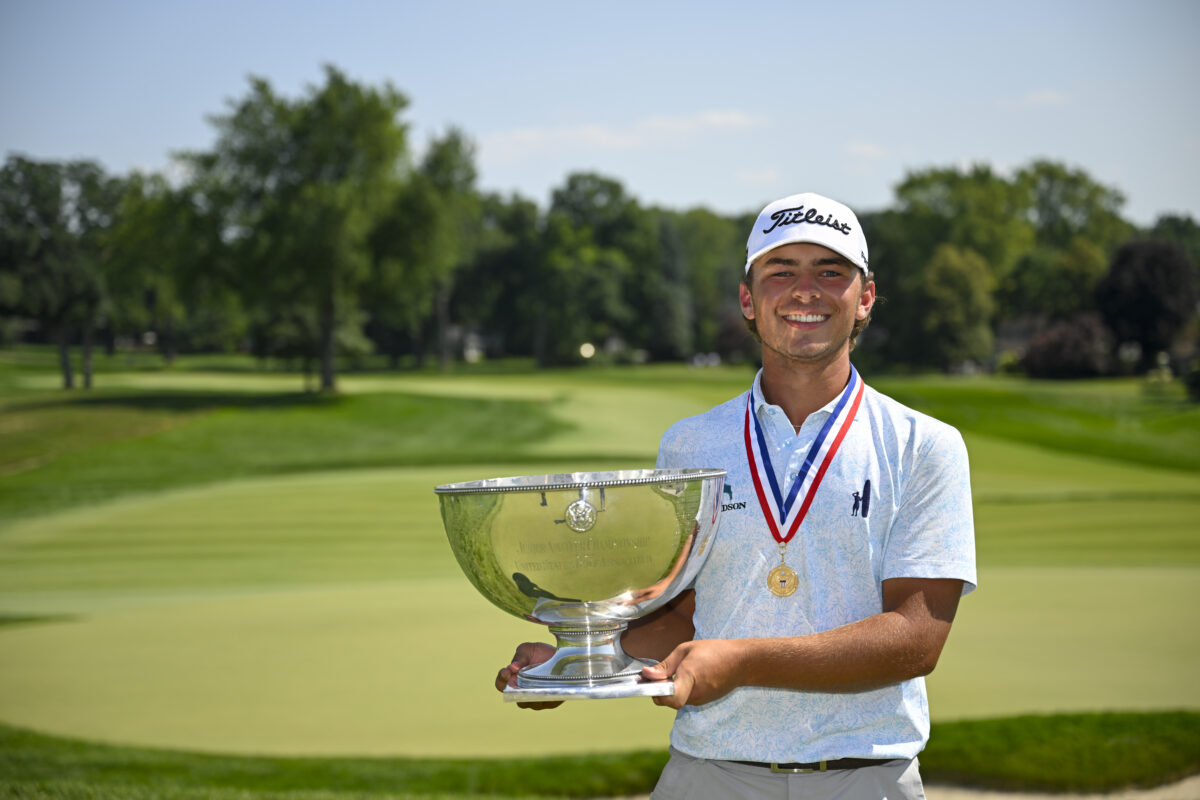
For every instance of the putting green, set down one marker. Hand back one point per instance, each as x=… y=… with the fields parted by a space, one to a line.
x=1052 y=639
x=323 y=613
x=369 y=670
x=404 y=669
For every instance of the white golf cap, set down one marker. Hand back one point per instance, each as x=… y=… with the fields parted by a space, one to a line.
x=812 y=218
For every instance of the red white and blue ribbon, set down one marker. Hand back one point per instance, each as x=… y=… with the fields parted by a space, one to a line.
x=784 y=513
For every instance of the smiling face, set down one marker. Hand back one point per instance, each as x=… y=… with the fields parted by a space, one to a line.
x=805 y=300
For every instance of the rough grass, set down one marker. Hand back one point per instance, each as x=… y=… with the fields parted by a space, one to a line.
x=1069 y=753
x=64 y=767
x=66 y=451
x=1122 y=419
x=1065 y=753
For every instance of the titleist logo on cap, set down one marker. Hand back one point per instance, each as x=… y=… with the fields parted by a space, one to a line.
x=808 y=218
x=798 y=216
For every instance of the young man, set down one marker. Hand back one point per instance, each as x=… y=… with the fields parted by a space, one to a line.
x=837 y=570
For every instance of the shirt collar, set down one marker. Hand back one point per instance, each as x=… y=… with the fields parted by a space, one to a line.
x=761 y=405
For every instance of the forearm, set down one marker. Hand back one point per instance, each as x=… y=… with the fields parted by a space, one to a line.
x=874 y=652
x=903 y=641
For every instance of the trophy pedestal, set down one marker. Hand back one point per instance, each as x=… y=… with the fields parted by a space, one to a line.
x=587 y=664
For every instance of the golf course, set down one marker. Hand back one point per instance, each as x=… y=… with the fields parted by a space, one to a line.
x=207 y=559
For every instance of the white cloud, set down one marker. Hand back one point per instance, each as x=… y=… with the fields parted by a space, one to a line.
x=1041 y=98
x=862 y=149
x=517 y=143
x=717 y=119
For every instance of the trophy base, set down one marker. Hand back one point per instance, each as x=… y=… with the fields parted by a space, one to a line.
x=597 y=692
x=588 y=664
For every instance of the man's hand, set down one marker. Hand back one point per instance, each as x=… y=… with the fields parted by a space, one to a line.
x=527 y=654
x=703 y=671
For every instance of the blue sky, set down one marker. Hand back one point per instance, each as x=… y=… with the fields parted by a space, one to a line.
x=722 y=105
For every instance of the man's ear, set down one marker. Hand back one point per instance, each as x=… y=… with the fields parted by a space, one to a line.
x=866 y=301
x=746 y=301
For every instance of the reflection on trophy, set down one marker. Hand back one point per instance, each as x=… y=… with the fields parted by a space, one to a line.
x=584 y=553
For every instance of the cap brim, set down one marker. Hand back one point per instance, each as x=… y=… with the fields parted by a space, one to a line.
x=802 y=239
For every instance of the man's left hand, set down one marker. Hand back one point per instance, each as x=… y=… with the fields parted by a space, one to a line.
x=703 y=671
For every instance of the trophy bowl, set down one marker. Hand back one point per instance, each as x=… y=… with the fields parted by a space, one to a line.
x=584 y=553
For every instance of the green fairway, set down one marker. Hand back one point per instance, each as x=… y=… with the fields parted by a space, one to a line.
x=238 y=568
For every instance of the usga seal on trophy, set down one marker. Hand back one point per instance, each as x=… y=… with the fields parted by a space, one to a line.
x=584 y=553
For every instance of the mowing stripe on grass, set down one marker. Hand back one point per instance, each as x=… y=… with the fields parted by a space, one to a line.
x=241 y=616
x=400 y=669
x=405 y=669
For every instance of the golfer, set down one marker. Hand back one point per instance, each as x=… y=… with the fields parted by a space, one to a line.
x=799 y=654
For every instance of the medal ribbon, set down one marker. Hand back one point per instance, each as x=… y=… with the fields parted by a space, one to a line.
x=786 y=513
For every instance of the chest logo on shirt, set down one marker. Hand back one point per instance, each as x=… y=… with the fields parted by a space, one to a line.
x=861 y=501
x=731 y=505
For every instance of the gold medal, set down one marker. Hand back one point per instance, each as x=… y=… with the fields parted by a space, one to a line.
x=782 y=580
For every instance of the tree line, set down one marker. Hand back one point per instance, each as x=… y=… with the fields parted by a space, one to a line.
x=311 y=231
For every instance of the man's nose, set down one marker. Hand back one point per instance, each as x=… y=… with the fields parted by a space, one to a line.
x=805 y=288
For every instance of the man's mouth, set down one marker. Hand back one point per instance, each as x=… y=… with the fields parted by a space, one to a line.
x=806 y=317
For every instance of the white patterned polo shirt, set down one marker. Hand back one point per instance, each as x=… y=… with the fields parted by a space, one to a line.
x=894 y=502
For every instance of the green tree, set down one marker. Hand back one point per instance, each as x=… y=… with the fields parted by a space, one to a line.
x=54 y=220
x=447 y=173
x=1055 y=283
x=582 y=285
x=895 y=337
x=975 y=209
x=402 y=280
x=505 y=288
x=144 y=241
x=1077 y=225
x=170 y=272
x=308 y=180
x=714 y=248
x=955 y=297
x=668 y=293
x=1067 y=205
x=972 y=210
x=426 y=236
x=642 y=275
x=94 y=199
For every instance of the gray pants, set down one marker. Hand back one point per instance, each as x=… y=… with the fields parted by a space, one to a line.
x=687 y=778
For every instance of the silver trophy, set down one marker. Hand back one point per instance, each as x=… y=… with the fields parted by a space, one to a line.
x=584 y=553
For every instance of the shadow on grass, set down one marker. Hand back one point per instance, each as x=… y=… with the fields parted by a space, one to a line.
x=183 y=401
x=13 y=620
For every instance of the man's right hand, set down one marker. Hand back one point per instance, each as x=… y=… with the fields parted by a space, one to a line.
x=527 y=654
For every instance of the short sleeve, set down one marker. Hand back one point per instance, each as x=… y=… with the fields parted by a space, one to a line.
x=933 y=532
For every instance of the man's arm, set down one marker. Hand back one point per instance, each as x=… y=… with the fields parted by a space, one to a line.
x=902 y=642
